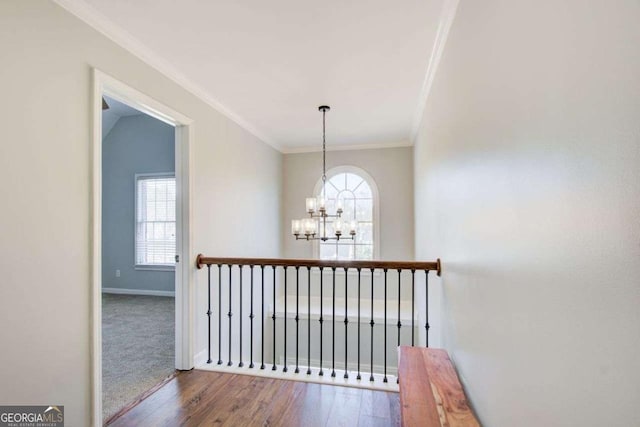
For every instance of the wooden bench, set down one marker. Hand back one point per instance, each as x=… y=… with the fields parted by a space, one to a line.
x=430 y=392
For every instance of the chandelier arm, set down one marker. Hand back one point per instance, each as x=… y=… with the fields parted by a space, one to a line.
x=324 y=239
x=325 y=216
x=314 y=215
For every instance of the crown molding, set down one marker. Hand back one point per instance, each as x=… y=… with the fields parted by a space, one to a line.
x=375 y=146
x=124 y=39
x=447 y=16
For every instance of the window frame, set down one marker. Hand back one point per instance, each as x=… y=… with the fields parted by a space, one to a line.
x=149 y=267
x=374 y=197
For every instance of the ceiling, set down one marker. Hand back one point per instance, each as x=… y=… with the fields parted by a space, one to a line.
x=269 y=64
x=119 y=109
x=111 y=115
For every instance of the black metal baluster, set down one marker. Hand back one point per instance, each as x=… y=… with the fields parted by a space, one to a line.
x=240 y=364
x=251 y=316
x=346 y=320
x=262 y=317
x=321 y=320
x=426 y=293
x=399 y=322
x=309 y=321
x=297 y=370
x=273 y=368
x=230 y=314
x=372 y=323
x=285 y=369
x=209 y=310
x=219 y=314
x=358 y=377
x=333 y=327
x=413 y=305
x=384 y=379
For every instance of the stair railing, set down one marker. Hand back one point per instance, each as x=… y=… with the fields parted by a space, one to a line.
x=284 y=271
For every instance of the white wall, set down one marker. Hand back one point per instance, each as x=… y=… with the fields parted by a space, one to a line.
x=392 y=171
x=527 y=183
x=45 y=81
x=390 y=168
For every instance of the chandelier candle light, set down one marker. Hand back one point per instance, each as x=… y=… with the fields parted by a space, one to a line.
x=315 y=226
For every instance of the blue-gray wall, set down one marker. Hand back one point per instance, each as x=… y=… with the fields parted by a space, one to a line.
x=136 y=144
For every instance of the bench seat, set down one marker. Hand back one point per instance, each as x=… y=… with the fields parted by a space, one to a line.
x=430 y=392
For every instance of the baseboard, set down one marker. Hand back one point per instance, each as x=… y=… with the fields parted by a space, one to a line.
x=200 y=358
x=315 y=377
x=122 y=291
x=365 y=368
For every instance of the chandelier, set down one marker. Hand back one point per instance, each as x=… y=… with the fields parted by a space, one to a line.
x=314 y=227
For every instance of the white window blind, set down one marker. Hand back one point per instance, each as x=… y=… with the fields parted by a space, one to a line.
x=155 y=220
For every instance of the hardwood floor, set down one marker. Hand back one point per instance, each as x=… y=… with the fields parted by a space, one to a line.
x=201 y=398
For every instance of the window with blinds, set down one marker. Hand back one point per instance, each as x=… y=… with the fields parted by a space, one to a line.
x=155 y=220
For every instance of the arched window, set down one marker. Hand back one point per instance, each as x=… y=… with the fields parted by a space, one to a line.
x=359 y=196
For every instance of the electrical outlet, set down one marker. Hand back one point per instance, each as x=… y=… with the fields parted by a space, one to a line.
x=117 y=273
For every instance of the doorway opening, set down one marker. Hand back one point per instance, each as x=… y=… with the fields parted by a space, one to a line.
x=138 y=253
x=142 y=301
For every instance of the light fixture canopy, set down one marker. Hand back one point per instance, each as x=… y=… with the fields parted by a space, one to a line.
x=314 y=227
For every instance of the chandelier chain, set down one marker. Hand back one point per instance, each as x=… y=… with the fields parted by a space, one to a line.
x=324 y=148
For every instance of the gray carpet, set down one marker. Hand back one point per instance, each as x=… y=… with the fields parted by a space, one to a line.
x=138 y=347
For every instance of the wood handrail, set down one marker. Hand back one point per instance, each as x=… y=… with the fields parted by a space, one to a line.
x=285 y=262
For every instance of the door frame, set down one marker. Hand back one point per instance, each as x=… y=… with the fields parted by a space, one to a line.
x=104 y=84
